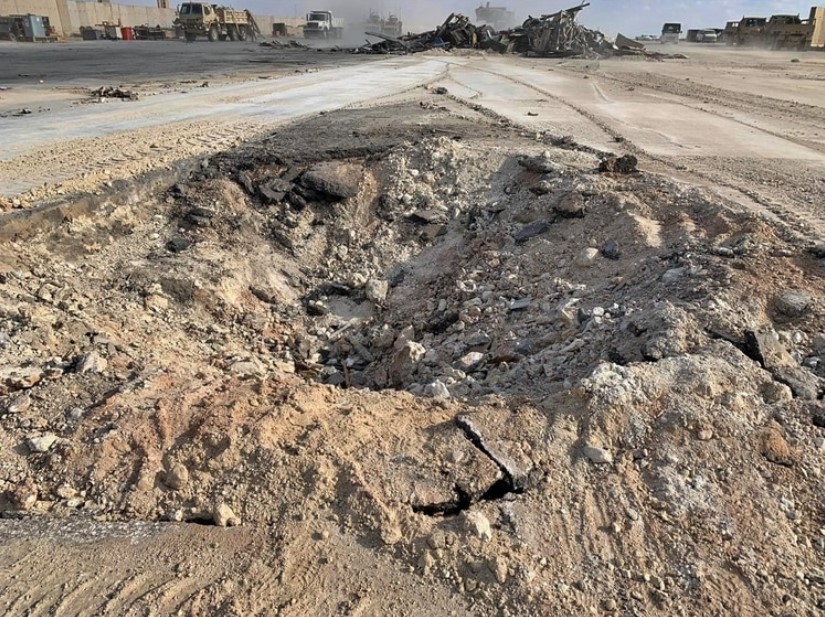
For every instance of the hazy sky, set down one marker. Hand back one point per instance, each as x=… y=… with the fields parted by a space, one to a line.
x=611 y=16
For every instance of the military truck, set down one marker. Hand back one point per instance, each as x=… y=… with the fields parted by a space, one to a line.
x=216 y=23
x=392 y=26
x=670 y=33
x=729 y=33
x=323 y=25
x=376 y=24
x=750 y=31
x=788 y=32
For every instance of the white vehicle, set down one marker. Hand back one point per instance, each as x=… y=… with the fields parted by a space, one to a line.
x=323 y=25
x=707 y=36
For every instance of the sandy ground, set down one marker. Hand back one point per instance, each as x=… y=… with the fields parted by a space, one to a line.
x=610 y=441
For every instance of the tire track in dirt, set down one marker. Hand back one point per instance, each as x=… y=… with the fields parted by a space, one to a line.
x=725 y=99
x=798 y=220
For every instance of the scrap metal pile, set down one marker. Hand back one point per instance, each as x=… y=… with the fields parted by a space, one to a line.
x=559 y=35
x=554 y=35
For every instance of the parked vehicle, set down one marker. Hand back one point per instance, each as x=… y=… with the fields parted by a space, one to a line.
x=323 y=25
x=391 y=26
x=729 y=33
x=217 y=23
x=708 y=35
x=25 y=28
x=749 y=31
x=788 y=32
x=670 y=33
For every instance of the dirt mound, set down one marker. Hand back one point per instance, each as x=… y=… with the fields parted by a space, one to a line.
x=502 y=378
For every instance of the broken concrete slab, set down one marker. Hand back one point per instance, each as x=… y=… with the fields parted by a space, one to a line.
x=334 y=179
x=499 y=433
x=625 y=164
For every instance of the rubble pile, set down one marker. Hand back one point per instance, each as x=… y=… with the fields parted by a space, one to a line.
x=560 y=35
x=458 y=353
x=554 y=35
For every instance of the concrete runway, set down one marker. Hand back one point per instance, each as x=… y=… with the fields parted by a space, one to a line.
x=96 y=63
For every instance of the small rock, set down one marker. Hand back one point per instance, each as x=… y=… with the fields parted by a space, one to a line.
x=478 y=339
x=333 y=179
x=498 y=566
x=776 y=449
x=178 y=244
x=284 y=366
x=587 y=257
x=24 y=495
x=531 y=231
x=377 y=290
x=542 y=188
x=156 y=302
x=426 y=562
x=20 y=404
x=673 y=275
x=705 y=434
x=611 y=250
x=600 y=456
x=794 y=303
x=437 y=389
x=819 y=443
x=177 y=477
x=571 y=205
x=405 y=362
x=610 y=605
x=479 y=525
x=819 y=250
x=432 y=357
x=391 y=535
x=768 y=350
x=223 y=516
x=539 y=164
x=619 y=165
x=65 y=492
x=470 y=362
x=246 y=368
x=440 y=90
x=42 y=443
x=92 y=363
x=802 y=382
x=520 y=304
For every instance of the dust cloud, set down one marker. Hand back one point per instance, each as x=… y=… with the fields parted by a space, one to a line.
x=418 y=16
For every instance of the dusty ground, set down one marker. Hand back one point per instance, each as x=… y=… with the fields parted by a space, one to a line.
x=420 y=356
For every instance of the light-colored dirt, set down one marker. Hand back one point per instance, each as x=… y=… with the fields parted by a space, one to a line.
x=418 y=356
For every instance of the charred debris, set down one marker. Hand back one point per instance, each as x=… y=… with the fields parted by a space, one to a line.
x=555 y=35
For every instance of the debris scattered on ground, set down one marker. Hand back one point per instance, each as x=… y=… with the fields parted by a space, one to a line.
x=625 y=164
x=551 y=36
x=111 y=92
x=291 y=44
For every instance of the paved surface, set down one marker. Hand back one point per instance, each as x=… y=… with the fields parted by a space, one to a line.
x=94 y=63
x=269 y=101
